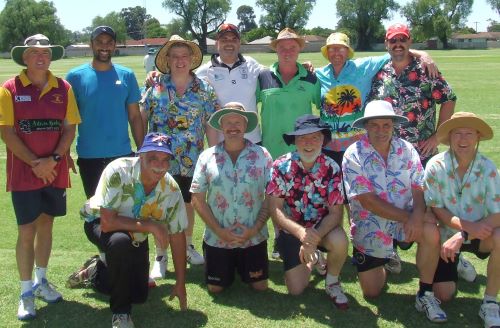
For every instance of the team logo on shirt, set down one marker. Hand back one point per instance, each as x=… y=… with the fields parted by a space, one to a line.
x=244 y=73
x=21 y=98
x=57 y=98
x=39 y=125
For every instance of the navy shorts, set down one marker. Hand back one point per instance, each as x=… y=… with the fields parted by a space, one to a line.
x=28 y=205
x=251 y=263
x=446 y=272
x=365 y=262
x=289 y=247
x=184 y=185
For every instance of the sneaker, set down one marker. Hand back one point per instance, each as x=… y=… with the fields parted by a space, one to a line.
x=122 y=320
x=47 y=292
x=320 y=265
x=159 y=268
x=336 y=294
x=490 y=315
x=82 y=277
x=465 y=269
x=26 y=309
x=394 y=264
x=275 y=254
x=193 y=256
x=430 y=304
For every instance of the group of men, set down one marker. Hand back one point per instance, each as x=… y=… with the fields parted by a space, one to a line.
x=361 y=152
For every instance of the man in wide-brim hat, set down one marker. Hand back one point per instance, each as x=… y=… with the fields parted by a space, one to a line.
x=462 y=187
x=38 y=117
x=383 y=178
x=305 y=203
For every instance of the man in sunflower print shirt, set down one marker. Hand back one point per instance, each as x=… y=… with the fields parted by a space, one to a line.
x=135 y=196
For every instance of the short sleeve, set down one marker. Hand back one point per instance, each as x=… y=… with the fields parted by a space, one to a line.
x=200 y=181
x=72 y=113
x=432 y=186
x=6 y=108
x=134 y=92
x=492 y=188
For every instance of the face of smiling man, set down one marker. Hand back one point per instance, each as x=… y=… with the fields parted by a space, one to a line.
x=179 y=59
x=398 y=47
x=309 y=146
x=103 y=48
x=233 y=126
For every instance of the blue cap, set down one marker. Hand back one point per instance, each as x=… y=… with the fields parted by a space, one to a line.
x=156 y=141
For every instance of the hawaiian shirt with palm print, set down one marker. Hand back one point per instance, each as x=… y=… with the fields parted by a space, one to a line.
x=235 y=192
x=120 y=189
x=414 y=95
x=366 y=171
x=473 y=198
x=182 y=117
x=307 y=194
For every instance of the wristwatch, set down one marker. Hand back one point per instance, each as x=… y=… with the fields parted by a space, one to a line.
x=56 y=157
x=465 y=235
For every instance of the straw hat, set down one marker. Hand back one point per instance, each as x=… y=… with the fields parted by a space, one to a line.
x=234 y=108
x=463 y=120
x=161 y=57
x=337 y=39
x=288 y=34
x=36 y=41
x=377 y=109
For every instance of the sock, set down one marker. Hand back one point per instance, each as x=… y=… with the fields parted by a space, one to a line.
x=189 y=240
x=330 y=280
x=102 y=256
x=489 y=299
x=424 y=287
x=40 y=274
x=26 y=286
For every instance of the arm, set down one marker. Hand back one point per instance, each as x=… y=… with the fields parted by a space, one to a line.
x=144 y=117
x=477 y=230
x=413 y=227
x=178 y=244
x=371 y=202
x=427 y=62
x=260 y=222
x=330 y=221
x=428 y=146
x=136 y=124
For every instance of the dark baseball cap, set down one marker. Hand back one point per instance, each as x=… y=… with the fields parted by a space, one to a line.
x=103 y=29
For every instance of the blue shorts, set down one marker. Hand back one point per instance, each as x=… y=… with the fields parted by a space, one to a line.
x=28 y=205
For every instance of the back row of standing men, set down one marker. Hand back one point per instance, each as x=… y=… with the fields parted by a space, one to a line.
x=180 y=105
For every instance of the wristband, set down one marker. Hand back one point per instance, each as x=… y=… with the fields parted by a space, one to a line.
x=465 y=235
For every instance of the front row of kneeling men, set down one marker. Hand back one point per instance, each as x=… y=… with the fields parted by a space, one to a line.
x=453 y=206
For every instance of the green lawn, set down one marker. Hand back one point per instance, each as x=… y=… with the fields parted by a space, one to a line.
x=471 y=74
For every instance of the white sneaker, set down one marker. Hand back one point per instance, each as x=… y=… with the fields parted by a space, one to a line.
x=193 y=256
x=122 y=320
x=47 y=292
x=394 y=264
x=26 y=309
x=430 y=304
x=159 y=268
x=490 y=315
x=465 y=269
x=337 y=296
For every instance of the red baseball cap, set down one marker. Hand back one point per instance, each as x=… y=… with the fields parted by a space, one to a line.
x=397 y=29
x=227 y=27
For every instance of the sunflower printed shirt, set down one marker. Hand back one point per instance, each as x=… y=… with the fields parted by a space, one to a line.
x=471 y=199
x=182 y=117
x=120 y=189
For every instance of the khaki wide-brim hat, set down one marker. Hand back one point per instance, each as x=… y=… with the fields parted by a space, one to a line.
x=463 y=120
x=36 y=41
x=161 y=57
x=234 y=108
x=288 y=34
x=337 y=39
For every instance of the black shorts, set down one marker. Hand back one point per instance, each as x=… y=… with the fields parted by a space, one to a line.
x=184 y=185
x=251 y=263
x=28 y=205
x=446 y=272
x=337 y=156
x=289 y=247
x=365 y=262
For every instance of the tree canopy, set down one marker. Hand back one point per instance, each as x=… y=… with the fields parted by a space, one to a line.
x=246 y=16
x=200 y=17
x=285 y=13
x=495 y=5
x=135 y=19
x=22 y=18
x=115 y=21
x=364 y=19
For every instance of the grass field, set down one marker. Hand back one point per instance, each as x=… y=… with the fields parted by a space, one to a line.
x=472 y=74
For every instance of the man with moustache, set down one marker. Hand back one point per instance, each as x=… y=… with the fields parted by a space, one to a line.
x=229 y=194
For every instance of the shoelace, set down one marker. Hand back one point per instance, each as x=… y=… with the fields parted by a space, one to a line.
x=491 y=310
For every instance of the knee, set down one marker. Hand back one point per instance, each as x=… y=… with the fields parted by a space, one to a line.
x=296 y=289
x=336 y=240
x=431 y=234
x=496 y=239
x=444 y=294
x=372 y=292
x=214 y=289
x=260 y=285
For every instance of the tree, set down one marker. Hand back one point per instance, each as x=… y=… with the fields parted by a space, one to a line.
x=319 y=31
x=439 y=18
x=177 y=26
x=495 y=5
x=115 y=21
x=258 y=33
x=153 y=29
x=135 y=18
x=246 y=17
x=201 y=17
x=494 y=26
x=363 y=18
x=285 y=13
x=22 y=18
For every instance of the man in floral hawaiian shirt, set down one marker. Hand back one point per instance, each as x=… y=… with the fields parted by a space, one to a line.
x=229 y=194
x=306 y=203
x=463 y=189
x=135 y=196
x=383 y=177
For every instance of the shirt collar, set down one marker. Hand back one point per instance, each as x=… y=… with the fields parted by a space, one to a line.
x=217 y=63
x=51 y=80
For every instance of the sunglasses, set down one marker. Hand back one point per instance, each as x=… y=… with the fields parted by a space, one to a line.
x=403 y=39
x=36 y=42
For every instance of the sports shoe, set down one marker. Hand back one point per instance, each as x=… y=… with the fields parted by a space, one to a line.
x=26 y=309
x=430 y=304
x=320 y=265
x=47 y=292
x=490 y=315
x=275 y=254
x=159 y=268
x=465 y=269
x=394 y=264
x=193 y=256
x=81 y=278
x=336 y=294
x=122 y=320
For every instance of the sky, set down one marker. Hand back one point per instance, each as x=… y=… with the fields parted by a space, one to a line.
x=76 y=15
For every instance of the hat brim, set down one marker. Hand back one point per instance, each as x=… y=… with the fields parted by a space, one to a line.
x=252 y=119
x=17 y=53
x=476 y=123
x=300 y=41
x=147 y=149
x=393 y=34
x=161 y=56
x=360 y=122
x=324 y=50
x=289 y=138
